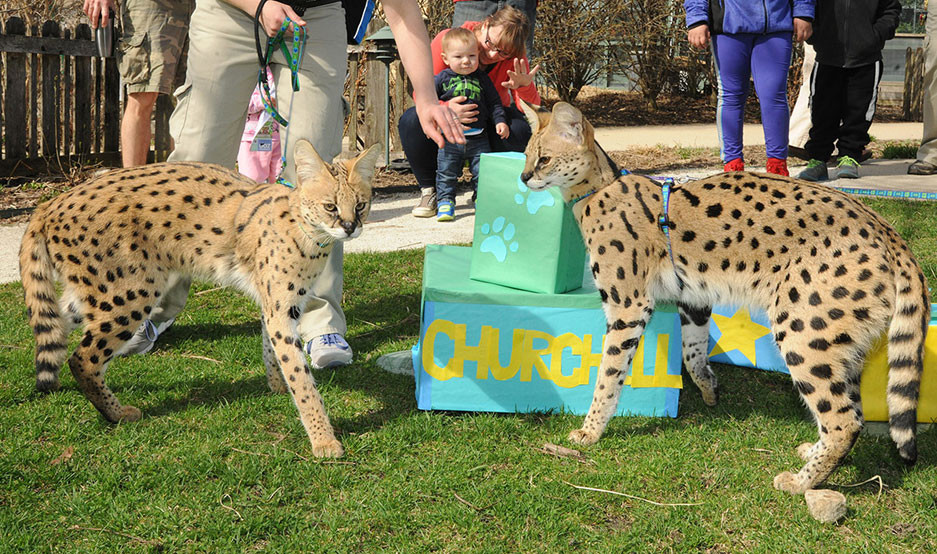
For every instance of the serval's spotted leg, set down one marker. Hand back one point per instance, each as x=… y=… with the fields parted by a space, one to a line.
x=89 y=365
x=625 y=327
x=694 y=326
x=828 y=381
x=274 y=375
x=297 y=373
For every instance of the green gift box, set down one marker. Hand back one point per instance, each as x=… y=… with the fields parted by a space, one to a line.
x=523 y=239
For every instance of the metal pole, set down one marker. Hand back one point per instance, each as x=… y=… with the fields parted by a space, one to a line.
x=387 y=115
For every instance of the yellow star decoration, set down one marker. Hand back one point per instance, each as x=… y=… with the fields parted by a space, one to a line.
x=739 y=332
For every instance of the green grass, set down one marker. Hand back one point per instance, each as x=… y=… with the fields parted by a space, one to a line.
x=218 y=463
x=900 y=149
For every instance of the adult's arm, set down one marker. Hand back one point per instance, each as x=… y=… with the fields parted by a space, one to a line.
x=99 y=10
x=887 y=21
x=406 y=23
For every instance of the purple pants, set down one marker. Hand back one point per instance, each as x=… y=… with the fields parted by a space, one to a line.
x=766 y=58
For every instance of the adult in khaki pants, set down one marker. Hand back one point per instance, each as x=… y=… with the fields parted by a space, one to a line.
x=926 y=163
x=212 y=106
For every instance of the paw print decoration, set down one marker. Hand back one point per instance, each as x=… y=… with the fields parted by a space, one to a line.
x=534 y=199
x=499 y=235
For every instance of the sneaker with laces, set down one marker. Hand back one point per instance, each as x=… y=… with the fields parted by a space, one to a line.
x=328 y=350
x=847 y=168
x=920 y=167
x=427 y=205
x=144 y=338
x=445 y=211
x=734 y=165
x=815 y=171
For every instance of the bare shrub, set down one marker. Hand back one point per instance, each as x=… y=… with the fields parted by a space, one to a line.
x=36 y=12
x=572 y=42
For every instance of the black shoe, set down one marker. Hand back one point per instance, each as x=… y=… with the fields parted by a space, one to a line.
x=920 y=167
x=864 y=155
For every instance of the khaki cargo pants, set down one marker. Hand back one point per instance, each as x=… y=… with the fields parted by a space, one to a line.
x=212 y=107
x=153 y=44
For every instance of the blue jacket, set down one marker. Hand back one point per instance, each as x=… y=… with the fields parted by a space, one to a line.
x=747 y=16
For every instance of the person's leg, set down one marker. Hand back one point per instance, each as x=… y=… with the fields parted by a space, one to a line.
x=861 y=95
x=826 y=98
x=771 y=59
x=926 y=163
x=421 y=154
x=315 y=114
x=799 y=129
x=732 y=55
x=135 y=134
x=473 y=152
x=449 y=165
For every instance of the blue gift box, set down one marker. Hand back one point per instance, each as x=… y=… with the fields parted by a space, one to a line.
x=487 y=347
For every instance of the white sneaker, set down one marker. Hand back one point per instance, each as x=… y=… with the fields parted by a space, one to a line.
x=144 y=338
x=427 y=205
x=329 y=350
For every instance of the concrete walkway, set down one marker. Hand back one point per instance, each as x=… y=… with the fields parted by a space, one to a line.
x=391 y=227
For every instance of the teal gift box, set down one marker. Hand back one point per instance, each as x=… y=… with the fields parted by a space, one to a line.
x=485 y=347
x=523 y=239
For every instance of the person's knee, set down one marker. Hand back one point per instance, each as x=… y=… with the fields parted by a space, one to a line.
x=141 y=102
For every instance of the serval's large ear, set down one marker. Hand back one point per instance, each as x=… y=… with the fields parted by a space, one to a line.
x=536 y=118
x=363 y=165
x=309 y=165
x=567 y=123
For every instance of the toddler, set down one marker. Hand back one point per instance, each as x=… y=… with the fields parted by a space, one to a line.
x=463 y=78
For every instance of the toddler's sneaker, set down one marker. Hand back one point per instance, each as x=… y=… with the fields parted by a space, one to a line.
x=847 y=168
x=144 y=338
x=427 y=205
x=445 y=211
x=734 y=165
x=329 y=350
x=777 y=166
x=815 y=171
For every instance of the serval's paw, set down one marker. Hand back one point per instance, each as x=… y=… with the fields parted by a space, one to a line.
x=788 y=482
x=583 y=437
x=277 y=387
x=129 y=413
x=804 y=450
x=328 y=449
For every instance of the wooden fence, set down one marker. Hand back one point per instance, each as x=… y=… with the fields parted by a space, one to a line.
x=60 y=103
x=913 y=97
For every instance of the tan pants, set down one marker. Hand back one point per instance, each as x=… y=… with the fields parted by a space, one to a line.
x=928 y=150
x=800 y=115
x=212 y=106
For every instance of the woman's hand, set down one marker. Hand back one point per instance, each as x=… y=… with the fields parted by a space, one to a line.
x=699 y=36
x=467 y=113
x=99 y=10
x=521 y=76
x=274 y=14
x=803 y=29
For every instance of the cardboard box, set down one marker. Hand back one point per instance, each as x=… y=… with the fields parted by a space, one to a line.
x=485 y=347
x=518 y=230
x=744 y=339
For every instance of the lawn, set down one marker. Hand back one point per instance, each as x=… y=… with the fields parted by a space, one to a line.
x=218 y=463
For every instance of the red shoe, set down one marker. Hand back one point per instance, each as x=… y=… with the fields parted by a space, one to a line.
x=778 y=166
x=734 y=165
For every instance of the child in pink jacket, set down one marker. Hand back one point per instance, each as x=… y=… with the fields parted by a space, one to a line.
x=259 y=154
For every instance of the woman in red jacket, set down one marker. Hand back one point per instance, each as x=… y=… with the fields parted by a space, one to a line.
x=502 y=53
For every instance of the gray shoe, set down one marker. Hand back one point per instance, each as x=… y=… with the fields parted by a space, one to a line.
x=847 y=168
x=144 y=338
x=815 y=171
x=427 y=205
x=329 y=350
x=920 y=167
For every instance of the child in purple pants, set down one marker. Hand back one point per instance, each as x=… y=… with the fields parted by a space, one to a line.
x=751 y=39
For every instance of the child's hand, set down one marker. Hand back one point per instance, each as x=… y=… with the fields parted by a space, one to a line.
x=699 y=36
x=503 y=130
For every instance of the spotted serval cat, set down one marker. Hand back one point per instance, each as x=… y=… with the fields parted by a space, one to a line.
x=831 y=274
x=114 y=241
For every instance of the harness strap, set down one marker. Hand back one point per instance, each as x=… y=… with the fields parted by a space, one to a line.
x=663 y=220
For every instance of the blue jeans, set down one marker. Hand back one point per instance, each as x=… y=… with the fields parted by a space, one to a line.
x=449 y=163
x=478 y=10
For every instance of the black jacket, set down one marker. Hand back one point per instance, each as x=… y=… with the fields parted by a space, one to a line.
x=852 y=33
